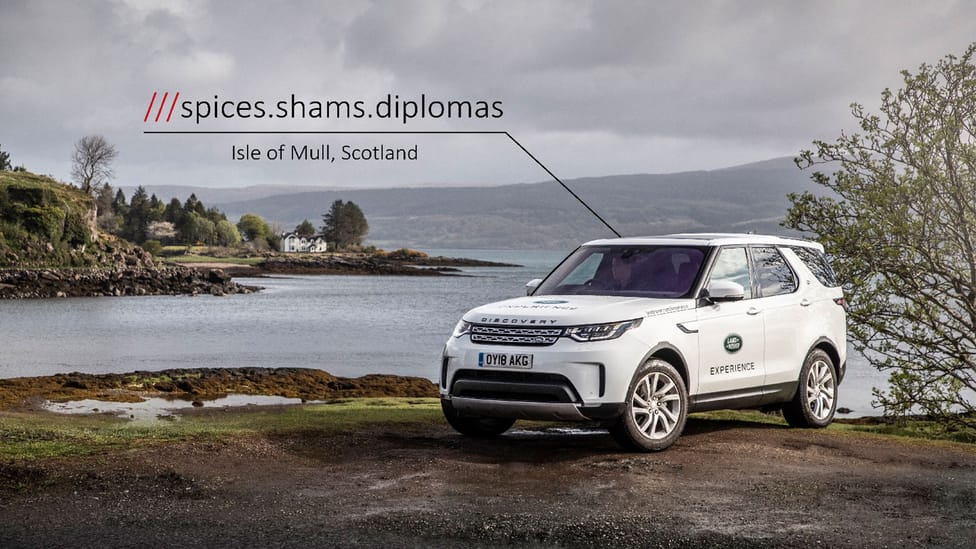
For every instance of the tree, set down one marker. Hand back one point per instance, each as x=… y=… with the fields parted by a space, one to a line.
x=4 y=161
x=227 y=234
x=119 y=205
x=198 y=229
x=91 y=162
x=107 y=219
x=138 y=216
x=344 y=224
x=900 y=223
x=174 y=211
x=193 y=204
x=305 y=228
x=161 y=231
x=252 y=227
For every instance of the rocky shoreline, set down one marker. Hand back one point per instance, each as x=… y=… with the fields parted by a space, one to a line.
x=125 y=281
x=207 y=383
x=135 y=273
x=345 y=264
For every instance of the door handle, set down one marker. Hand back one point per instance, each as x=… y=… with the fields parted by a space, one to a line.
x=804 y=302
x=753 y=311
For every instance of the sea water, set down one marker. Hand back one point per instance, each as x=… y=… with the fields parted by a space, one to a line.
x=347 y=325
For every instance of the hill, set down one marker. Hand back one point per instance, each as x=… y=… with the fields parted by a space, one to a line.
x=750 y=197
x=44 y=222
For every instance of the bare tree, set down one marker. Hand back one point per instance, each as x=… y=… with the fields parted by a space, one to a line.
x=91 y=163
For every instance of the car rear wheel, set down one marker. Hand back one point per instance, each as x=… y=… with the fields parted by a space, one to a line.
x=816 y=397
x=480 y=427
x=656 y=411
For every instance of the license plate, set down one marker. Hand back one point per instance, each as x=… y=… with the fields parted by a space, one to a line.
x=504 y=360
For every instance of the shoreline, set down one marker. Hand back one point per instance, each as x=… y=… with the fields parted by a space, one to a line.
x=174 y=277
x=35 y=283
x=203 y=384
x=24 y=393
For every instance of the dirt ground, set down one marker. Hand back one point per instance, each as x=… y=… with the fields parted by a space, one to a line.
x=724 y=484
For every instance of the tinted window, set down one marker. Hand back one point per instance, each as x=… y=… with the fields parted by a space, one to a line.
x=818 y=265
x=773 y=275
x=639 y=271
x=732 y=264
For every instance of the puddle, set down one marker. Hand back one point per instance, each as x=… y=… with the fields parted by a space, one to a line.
x=156 y=408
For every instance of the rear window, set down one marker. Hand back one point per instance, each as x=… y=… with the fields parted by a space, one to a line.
x=818 y=265
x=773 y=275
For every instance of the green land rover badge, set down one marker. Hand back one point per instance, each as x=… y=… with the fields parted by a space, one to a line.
x=733 y=342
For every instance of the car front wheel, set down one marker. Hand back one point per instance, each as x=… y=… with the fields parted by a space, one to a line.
x=816 y=397
x=656 y=411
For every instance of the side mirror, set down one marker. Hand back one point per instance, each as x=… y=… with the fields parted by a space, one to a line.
x=724 y=290
x=532 y=285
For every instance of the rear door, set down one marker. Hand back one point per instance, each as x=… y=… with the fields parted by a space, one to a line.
x=785 y=314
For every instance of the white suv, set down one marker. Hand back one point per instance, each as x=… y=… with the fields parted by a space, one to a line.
x=638 y=332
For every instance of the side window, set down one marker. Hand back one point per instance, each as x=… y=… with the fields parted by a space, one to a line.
x=817 y=263
x=732 y=264
x=773 y=275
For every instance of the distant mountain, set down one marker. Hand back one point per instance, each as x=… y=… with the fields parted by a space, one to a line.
x=750 y=197
x=209 y=195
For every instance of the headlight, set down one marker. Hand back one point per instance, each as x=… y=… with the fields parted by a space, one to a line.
x=602 y=332
x=462 y=328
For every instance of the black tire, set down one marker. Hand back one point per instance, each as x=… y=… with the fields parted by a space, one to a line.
x=478 y=427
x=815 y=401
x=656 y=411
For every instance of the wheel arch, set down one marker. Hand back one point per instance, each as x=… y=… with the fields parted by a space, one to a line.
x=672 y=356
x=828 y=346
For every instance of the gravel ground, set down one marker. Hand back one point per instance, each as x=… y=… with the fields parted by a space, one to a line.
x=724 y=484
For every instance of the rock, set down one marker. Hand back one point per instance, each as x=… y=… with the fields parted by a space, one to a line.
x=217 y=276
x=74 y=384
x=131 y=280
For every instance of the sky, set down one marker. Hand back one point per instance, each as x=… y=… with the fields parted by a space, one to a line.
x=589 y=87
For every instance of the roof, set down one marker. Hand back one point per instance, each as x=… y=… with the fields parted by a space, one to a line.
x=296 y=235
x=705 y=239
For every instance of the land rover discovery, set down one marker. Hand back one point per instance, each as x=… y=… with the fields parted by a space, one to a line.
x=638 y=332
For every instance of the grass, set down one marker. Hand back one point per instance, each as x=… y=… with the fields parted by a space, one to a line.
x=31 y=435
x=139 y=381
x=918 y=429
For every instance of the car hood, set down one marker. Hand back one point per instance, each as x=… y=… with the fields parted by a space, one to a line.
x=572 y=310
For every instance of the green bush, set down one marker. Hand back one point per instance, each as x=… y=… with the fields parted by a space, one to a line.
x=45 y=221
x=154 y=247
x=76 y=232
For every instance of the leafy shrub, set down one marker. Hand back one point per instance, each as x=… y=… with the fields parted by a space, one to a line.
x=154 y=247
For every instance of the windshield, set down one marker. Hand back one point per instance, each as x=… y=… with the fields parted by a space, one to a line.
x=634 y=271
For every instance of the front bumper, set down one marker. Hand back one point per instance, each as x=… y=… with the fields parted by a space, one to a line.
x=555 y=411
x=568 y=380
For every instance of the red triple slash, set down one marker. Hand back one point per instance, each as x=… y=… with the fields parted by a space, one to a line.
x=162 y=104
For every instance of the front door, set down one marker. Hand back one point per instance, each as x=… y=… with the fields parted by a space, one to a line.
x=731 y=338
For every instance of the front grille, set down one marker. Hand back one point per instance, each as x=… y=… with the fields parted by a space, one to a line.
x=512 y=335
x=519 y=386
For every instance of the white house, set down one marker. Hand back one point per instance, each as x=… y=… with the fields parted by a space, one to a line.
x=292 y=242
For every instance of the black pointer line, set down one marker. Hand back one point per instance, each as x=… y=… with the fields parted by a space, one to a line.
x=404 y=132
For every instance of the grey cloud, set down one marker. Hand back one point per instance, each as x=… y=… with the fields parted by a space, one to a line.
x=586 y=81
